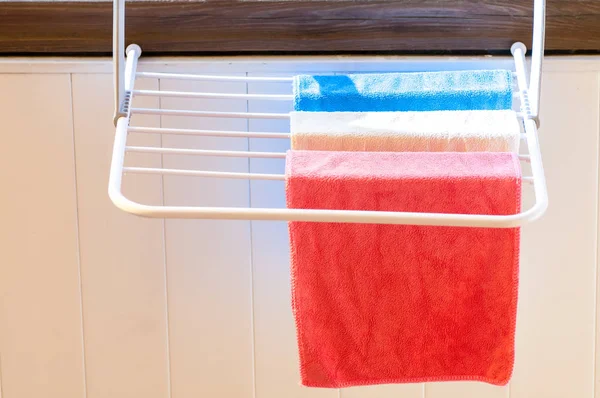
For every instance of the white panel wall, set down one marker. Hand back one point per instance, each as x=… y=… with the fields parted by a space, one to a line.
x=97 y=303
x=41 y=339
x=122 y=258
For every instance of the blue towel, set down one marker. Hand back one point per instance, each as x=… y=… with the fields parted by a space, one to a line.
x=422 y=91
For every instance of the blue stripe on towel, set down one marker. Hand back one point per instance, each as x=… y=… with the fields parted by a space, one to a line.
x=419 y=91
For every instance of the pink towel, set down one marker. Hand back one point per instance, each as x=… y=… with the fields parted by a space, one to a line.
x=379 y=304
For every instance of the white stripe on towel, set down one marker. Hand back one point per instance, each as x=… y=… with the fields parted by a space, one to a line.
x=431 y=131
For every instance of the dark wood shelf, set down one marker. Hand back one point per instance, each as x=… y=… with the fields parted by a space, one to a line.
x=227 y=26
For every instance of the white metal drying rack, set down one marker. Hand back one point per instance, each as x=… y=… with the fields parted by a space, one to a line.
x=125 y=74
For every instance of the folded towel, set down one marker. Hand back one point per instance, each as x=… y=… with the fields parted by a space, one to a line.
x=423 y=91
x=387 y=304
x=435 y=131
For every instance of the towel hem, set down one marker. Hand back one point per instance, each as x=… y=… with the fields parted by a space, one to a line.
x=497 y=382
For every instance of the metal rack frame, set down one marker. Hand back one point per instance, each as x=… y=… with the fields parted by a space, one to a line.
x=125 y=74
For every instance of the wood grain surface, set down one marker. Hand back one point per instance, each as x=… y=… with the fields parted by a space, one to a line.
x=285 y=26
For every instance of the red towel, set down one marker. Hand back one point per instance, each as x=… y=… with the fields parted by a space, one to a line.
x=381 y=304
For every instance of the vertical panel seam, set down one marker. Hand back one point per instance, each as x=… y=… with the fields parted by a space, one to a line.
x=164 y=239
x=252 y=323
x=77 y=236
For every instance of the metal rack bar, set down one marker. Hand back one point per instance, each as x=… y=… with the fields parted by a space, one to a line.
x=184 y=112
x=537 y=56
x=213 y=78
x=202 y=152
x=237 y=154
x=188 y=94
x=118 y=56
x=232 y=115
x=201 y=173
x=207 y=133
x=192 y=94
x=217 y=133
x=224 y=174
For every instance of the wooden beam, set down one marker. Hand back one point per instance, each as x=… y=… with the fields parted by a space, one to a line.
x=308 y=26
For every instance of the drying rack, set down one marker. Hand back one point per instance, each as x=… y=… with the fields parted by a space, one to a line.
x=125 y=74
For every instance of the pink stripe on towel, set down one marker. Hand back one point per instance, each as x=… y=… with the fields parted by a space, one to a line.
x=379 y=304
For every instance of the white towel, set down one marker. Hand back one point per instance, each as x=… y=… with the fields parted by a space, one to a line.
x=431 y=131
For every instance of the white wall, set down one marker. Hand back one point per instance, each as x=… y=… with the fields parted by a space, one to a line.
x=97 y=303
